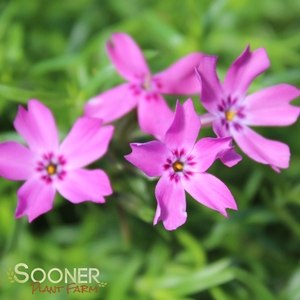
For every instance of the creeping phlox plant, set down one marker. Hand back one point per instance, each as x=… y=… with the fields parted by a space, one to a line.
x=176 y=156
x=48 y=167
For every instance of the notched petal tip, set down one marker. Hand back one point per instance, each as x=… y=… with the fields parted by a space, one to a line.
x=243 y=71
x=111 y=40
x=229 y=157
x=110 y=43
x=128 y=156
x=225 y=214
x=277 y=170
x=171 y=227
x=179 y=78
x=167 y=221
x=34 y=199
x=29 y=218
x=265 y=151
x=126 y=56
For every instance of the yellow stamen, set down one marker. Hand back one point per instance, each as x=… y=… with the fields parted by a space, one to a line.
x=230 y=114
x=177 y=166
x=147 y=83
x=51 y=169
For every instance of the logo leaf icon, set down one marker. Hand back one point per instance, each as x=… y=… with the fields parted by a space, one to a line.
x=10 y=275
x=102 y=284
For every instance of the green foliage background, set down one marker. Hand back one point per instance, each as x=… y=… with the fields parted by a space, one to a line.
x=54 y=51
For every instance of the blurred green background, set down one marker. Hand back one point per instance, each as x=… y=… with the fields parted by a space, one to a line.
x=54 y=51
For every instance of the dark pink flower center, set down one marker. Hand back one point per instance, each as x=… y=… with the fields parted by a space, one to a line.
x=179 y=165
x=146 y=86
x=231 y=113
x=51 y=167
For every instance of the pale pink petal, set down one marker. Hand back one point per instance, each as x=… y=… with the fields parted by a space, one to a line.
x=230 y=158
x=16 y=161
x=127 y=57
x=207 y=150
x=207 y=120
x=112 y=104
x=149 y=157
x=210 y=191
x=242 y=72
x=37 y=126
x=211 y=88
x=85 y=185
x=171 y=204
x=154 y=116
x=185 y=128
x=273 y=153
x=180 y=78
x=270 y=106
x=86 y=142
x=35 y=197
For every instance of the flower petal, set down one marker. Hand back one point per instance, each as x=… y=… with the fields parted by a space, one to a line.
x=210 y=191
x=230 y=158
x=273 y=153
x=207 y=150
x=112 y=104
x=149 y=157
x=85 y=185
x=86 y=142
x=16 y=161
x=211 y=88
x=180 y=77
x=127 y=57
x=154 y=116
x=219 y=128
x=270 y=106
x=184 y=129
x=242 y=72
x=35 y=197
x=37 y=126
x=207 y=120
x=171 y=204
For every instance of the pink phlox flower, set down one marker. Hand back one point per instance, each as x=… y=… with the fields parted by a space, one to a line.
x=47 y=166
x=233 y=111
x=182 y=165
x=143 y=89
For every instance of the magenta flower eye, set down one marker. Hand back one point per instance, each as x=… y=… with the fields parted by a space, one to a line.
x=146 y=89
x=48 y=167
x=184 y=169
x=143 y=89
x=179 y=164
x=232 y=115
x=51 y=167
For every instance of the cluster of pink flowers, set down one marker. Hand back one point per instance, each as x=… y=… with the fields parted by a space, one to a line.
x=176 y=155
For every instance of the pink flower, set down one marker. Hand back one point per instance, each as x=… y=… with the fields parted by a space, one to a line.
x=48 y=167
x=143 y=89
x=182 y=164
x=233 y=111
